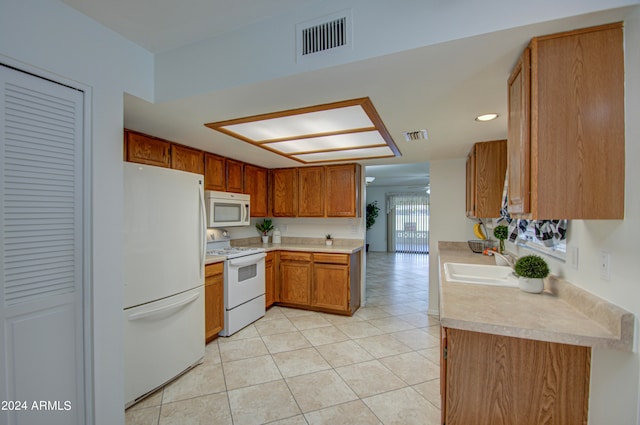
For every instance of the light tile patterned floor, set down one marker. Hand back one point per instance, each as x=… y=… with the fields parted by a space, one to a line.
x=298 y=367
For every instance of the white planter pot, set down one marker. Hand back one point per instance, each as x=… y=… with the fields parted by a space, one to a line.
x=329 y=242
x=534 y=286
x=265 y=239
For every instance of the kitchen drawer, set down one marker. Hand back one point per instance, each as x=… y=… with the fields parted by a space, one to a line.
x=213 y=269
x=331 y=258
x=295 y=256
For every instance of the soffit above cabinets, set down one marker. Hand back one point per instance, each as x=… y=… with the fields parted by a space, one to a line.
x=348 y=130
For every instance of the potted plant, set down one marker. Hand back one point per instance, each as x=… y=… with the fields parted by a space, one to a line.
x=329 y=240
x=501 y=233
x=531 y=270
x=372 y=213
x=264 y=228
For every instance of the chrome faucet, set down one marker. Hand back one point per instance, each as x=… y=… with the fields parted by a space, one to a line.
x=502 y=260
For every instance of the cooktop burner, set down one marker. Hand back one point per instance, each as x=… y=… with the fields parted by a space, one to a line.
x=233 y=252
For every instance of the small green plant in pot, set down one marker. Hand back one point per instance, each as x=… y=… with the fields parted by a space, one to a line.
x=531 y=270
x=372 y=213
x=501 y=233
x=329 y=240
x=264 y=228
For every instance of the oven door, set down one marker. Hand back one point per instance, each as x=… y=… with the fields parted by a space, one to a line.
x=244 y=279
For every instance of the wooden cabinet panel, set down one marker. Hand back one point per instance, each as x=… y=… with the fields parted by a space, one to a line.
x=519 y=132
x=486 y=168
x=256 y=185
x=187 y=159
x=311 y=191
x=576 y=117
x=295 y=279
x=471 y=184
x=492 y=379
x=234 y=176
x=270 y=279
x=342 y=190
x=215 y=170
x=213 y=300
x=319 y=281
x=284 y=192
x=147 y=149
x=330 y=287
x=443 y=375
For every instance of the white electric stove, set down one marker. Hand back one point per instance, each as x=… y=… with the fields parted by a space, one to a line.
x=244 y=281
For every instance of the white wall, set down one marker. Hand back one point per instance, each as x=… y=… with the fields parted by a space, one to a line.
x=448 y=220
x=49 y=36
x=382 y=28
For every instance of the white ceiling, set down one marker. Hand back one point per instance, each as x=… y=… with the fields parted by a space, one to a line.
x=441 y=87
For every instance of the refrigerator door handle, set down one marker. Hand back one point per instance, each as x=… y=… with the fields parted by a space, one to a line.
x=164 y=309
x=203 y=218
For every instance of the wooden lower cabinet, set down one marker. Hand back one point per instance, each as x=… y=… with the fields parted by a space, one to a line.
x=319 y=281
x=330 y=287
x=270 y=279
x=492 y=379
x=213 y=300
x=295 y=278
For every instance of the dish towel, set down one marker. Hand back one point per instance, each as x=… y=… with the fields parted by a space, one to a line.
x=549 y=232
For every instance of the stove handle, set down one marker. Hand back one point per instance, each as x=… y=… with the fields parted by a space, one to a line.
x=244 y=261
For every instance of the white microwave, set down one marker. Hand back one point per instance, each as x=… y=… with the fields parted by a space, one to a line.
x=225 y=209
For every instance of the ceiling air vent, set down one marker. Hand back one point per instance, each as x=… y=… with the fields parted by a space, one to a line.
x=411 y=136
x=329 y=33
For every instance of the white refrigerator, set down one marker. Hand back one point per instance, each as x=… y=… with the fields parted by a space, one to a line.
x=164 y=254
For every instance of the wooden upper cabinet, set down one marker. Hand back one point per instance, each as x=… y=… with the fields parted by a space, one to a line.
x=215 y=172
x=187 y=159
x=146 y=149
x=576 y=117
x=311 y=192
x=470 y=186
x=342 y=184
x=486 y=168
x=256 y=185
x=284 y=192
x=235 y=176
x=519 y=133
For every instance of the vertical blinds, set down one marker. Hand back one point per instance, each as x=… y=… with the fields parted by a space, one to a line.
x=409 y=213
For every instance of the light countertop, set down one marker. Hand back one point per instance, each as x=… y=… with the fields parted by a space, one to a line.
x=340 y=246
x=563 y=313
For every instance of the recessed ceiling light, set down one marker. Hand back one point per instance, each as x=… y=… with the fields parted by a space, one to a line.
x=487 y=117
x=341 y=131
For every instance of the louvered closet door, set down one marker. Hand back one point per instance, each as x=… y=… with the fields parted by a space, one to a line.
x=41 y=251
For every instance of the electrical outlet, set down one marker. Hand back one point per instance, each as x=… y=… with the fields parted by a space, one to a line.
x=605 y=265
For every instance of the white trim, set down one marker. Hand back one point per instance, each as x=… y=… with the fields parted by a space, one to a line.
x=87 y=289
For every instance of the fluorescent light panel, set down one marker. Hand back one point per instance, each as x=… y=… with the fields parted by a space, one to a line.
x=337 y=141
x=340 y=131
x=352 y=154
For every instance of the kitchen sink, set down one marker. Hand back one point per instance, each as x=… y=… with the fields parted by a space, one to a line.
x=480 y=274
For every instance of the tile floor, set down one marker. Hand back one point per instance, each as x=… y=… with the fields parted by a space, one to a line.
x=298 y=367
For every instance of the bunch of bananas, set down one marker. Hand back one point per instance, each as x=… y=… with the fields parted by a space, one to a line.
x=477 y=230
